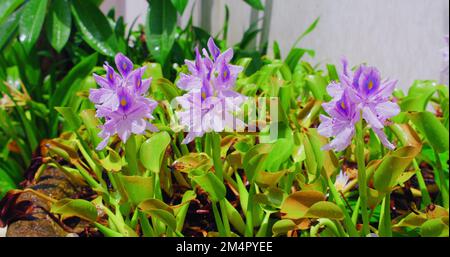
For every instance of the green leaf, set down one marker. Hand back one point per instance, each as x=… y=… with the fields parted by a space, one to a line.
x=295 y=55
x=419 y=95
x=95 y=28
x=192 y=161
x=283 y=226
x=137 y=188
x=8 y=27
x=432 y=129
x=7 y=7
x=296 y=205
x=75 y=207
x=152 y=151
x=31 y=22
x=112 y=162
x=392 y=166
x=210 y=183
x=325 y=209
x=180 y=5
x=66 y=87
x=167 y=88
x=255 y=4
x=318 y=86
x=434 y=228
x=281 y=151
x=160 y=29
x=58 y=24
x=254 y=160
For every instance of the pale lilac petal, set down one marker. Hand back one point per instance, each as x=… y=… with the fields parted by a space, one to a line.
x=371 y=118
x=383 y=138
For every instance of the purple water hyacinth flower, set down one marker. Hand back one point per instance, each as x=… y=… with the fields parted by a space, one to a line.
x=343 y=117
x=373 y=98
x=365 y=93
x=121 y=101
x=211 y=101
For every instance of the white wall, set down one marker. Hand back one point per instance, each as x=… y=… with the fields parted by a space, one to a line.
x=401 y=37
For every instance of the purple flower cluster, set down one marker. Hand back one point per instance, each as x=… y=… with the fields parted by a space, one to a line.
x=210 y=102
x=121 y=101
x=361 y=94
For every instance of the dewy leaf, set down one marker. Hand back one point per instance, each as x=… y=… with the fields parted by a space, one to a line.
x=75 y=207
x=392 y=166
x=152 y=151
x=325 y=209
x=160 y=29
x=433 y=130
x=94 y=27
x=31 y=22
x=210 y=183
x=58 y=24
x=187 y=163
x=296 y=205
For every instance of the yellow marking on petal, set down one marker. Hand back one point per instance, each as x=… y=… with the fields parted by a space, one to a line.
x=139 y=83
x=123 y=102
x=203 y=96
x=370 y=86
x=110 y=76
x=225 y=74
x=124 y=66
x=343 y=105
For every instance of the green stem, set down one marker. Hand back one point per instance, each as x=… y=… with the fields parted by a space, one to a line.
x=442 y=181
x=218 y=220
x=362 y=176
x=426 y=199
x=226 y=223
x=349 y=225
x=356 y=211
x=384 y=227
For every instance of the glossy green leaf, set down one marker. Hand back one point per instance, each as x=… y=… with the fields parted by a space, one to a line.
x=318 y=86
x=75 y=207
x=180 y=5
x=152 y=151
x=58 y=24
x=7 y=7
x=8 y=27
x=137 y=188
x=31 y=22
x=94 y=27
x=418 y=97
x=255 y=4
x=432 y=129
x=160 y=29
x=392 y=166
